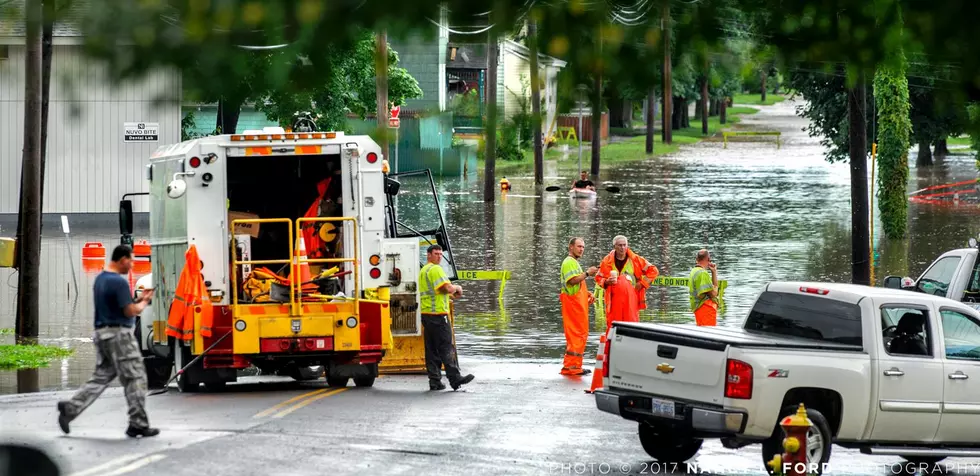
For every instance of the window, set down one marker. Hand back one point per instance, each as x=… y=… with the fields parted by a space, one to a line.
x=961 y=336
x=807 y=317
x=905 y=331
x=972 y=293
x=4 y=52
x=936 y=280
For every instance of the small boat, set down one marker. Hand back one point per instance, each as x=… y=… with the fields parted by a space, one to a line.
x=582 y=193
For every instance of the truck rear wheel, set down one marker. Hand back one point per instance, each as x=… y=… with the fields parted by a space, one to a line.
x=365 y=381
x=819 y=440
x=337 y=381
x=666 y=447
x=187 y=382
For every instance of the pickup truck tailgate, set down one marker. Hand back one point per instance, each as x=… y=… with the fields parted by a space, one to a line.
x=663 y=359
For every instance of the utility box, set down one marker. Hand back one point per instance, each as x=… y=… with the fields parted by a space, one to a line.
x=8 y=253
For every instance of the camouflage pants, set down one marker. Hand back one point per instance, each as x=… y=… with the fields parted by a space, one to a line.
x=117 y=354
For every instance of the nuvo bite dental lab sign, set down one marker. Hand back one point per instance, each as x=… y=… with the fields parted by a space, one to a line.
x=141 y=132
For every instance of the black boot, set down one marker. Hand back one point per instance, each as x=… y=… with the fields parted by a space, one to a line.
x=462 y=381
x=63 y=417
x=134 y=432
x=437 y=385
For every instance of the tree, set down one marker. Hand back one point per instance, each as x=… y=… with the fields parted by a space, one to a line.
x=894 y=127
x=532 y=41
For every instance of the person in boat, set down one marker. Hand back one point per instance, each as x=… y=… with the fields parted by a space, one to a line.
x=584 y=183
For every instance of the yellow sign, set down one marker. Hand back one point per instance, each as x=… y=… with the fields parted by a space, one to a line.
x=567 y=133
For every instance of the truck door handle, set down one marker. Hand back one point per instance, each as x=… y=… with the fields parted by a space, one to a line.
x=893 y=372
x=958 y=375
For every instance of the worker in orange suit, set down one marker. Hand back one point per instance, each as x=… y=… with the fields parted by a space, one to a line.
x=190 y=298
x=621 y=300
x=575 y=299
x=630 y=266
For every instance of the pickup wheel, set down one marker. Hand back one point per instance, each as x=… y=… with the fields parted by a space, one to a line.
x=666 y=447
x=818 y=442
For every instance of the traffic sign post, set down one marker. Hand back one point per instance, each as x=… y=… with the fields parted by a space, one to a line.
x=395 y=123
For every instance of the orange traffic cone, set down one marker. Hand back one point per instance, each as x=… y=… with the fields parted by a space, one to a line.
x=299 y=258
x=600 y=359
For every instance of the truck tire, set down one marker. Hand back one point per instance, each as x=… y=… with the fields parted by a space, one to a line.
x=820 y=433
x=304 y=373
x=336 y=381
x=666 y=447
x=364 y=381
x=187 y=382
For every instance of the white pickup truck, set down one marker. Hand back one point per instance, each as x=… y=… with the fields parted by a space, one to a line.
x=955 y=274
x=883 y=370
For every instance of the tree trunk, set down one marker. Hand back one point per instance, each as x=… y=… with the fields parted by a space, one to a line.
x=667 y=77
x=942 y=149
x=858 y=149
x=28 y=286
x=704 y=105
x=490 y=132
x=723 y=111
x=651 y=107
x=924 y=158
x=617 y=113
x=677 y=117
x=765 y=74
x=381 y=90
x=532 y=41
x=596 y=123
x=698 y=108
x=229 y=110
x=714 y=109
x=685 y=113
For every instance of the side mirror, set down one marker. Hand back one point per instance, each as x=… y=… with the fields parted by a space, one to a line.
x=391 y=186
x=176 y=188
x=19 y=460
x=126 y=217
x=898 y=282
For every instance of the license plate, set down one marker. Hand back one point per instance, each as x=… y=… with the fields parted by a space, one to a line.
x=662 y=407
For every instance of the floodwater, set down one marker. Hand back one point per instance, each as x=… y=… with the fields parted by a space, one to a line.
x=765 y=213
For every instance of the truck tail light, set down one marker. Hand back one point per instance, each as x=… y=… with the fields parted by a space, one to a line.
x=605 y=360
x=375 y=273
x=195 y=162
x=822 y=292
x=372 y=157
x=738 y=380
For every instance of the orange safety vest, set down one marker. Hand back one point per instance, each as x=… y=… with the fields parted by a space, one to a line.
x=191 y=299
x=641 y=269
x=315 y=247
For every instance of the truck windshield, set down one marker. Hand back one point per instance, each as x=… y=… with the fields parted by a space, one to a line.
x=807 y=317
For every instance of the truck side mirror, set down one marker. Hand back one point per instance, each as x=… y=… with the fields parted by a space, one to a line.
x=126 y=217
x=898 y=282
x=391 y=186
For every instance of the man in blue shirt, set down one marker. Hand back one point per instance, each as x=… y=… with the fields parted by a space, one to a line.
x=116 y=351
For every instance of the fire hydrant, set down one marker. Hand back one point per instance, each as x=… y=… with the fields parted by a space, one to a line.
x=793 y=460
x=504 y=185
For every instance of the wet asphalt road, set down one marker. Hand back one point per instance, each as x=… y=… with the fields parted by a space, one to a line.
x=516 y=418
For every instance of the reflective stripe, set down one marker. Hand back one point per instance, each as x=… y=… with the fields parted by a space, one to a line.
x=573 y=354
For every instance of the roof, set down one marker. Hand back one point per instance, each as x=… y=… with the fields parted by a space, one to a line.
x=67 y=26
x=854 y=292
x=523 y=51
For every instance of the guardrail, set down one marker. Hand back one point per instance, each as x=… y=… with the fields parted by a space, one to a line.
x=727 y=134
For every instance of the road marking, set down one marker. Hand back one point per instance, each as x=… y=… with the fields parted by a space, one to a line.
x=307 y=402
x=275 y=408
x=132 y=462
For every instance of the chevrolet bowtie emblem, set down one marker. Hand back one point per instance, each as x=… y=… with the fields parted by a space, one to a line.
x=665 y=368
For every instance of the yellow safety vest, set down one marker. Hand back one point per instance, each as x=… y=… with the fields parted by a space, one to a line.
x=431 y=278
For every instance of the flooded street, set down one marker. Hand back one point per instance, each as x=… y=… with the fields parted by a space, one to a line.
x=765 y=213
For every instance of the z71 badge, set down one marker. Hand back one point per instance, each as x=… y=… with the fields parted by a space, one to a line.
x=778 y=373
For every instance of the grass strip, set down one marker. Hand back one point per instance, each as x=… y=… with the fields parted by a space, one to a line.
x=18 y=357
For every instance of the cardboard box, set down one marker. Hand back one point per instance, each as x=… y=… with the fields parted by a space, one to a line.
x=251 y=229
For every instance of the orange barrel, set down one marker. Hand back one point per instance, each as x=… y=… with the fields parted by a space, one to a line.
x=141 y=267
x=141 y=249
x=93 y=250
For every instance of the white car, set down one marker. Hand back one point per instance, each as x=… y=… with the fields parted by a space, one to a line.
x=886 y=371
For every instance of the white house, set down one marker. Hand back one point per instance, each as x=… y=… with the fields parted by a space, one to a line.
x=93 y=156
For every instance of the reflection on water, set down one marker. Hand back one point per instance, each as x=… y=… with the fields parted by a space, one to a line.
x=765 y=213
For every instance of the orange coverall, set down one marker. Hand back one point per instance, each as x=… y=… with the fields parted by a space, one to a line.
x=622 y=302
x=641 y=269
x=575 y=317
x=190 y=298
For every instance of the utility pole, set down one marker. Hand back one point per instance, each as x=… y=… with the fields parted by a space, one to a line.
x=28 y=285
x=597 y=113
x=668 y=92
x=381 y=86
x=490 y=128
x=651 y=113
x=532 y=40
x=858 y=147
x=704 y=104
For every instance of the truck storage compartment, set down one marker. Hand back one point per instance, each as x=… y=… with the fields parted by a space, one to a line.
x=662 y=362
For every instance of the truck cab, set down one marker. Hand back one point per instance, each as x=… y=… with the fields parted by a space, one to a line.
x=954 y=275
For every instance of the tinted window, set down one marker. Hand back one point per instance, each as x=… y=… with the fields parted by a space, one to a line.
x=936 y=280
x=961 y=336
x=806 y=316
